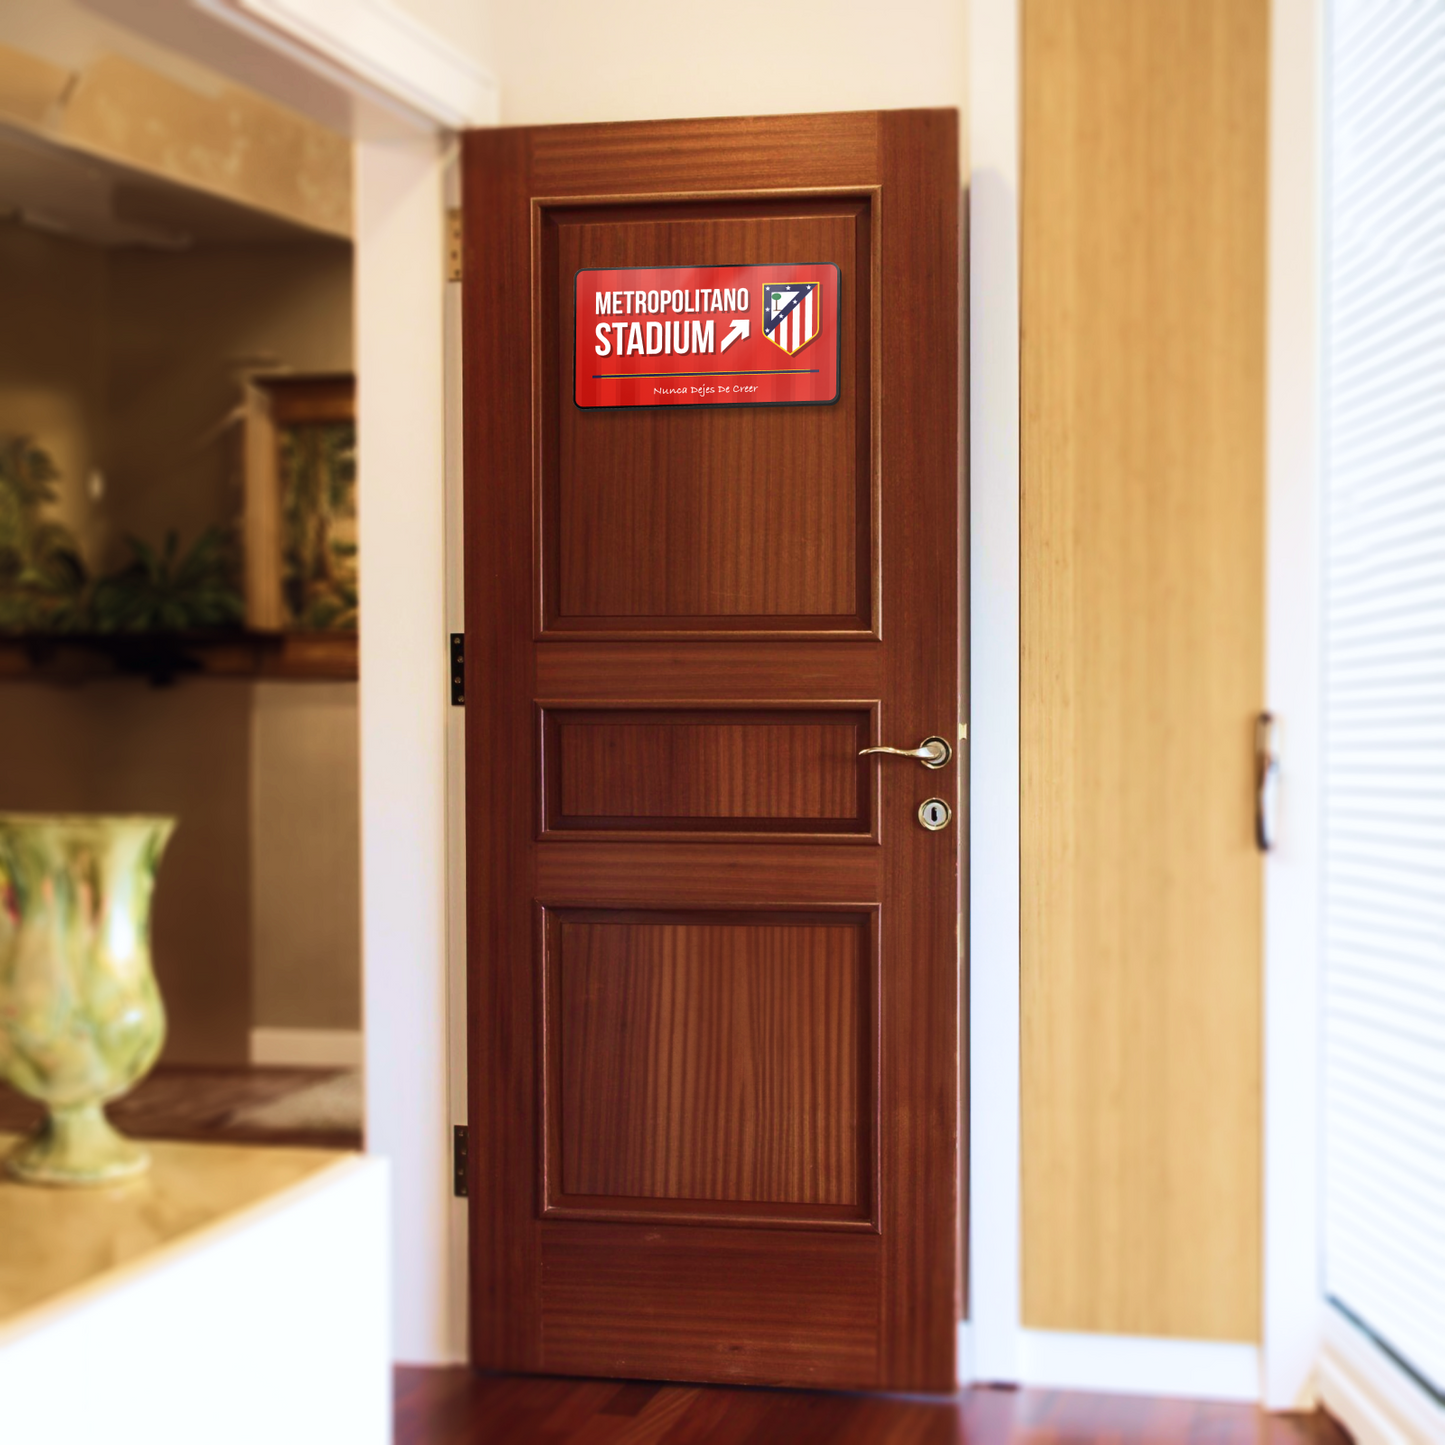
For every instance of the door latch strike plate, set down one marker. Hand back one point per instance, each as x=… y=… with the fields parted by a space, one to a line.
x=459 y=669
x=459 y=1160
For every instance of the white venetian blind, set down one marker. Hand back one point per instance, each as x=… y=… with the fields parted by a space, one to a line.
x=1384 y=922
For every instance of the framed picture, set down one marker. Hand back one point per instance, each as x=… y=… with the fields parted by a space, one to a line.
x=300 y=504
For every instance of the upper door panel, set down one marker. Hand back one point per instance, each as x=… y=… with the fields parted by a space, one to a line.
x=715 y=519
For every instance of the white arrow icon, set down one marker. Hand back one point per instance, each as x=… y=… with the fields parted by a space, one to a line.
x=740 y=329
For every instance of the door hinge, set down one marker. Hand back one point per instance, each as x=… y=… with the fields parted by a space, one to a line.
x=459 y=669
x=454 y=245
x=459 y=1160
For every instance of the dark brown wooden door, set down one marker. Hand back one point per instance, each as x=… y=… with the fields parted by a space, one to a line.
x=714 y=975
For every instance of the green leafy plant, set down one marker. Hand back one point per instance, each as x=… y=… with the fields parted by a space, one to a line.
x=45 y=586
x=159 y=591
x=43 y=577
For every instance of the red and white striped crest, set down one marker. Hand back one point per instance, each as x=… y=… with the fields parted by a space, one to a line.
x=792 y=315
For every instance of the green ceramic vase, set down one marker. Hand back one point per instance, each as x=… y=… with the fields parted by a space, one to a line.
x=80 y=1014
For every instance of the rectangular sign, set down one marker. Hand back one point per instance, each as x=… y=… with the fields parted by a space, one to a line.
x=707 y=336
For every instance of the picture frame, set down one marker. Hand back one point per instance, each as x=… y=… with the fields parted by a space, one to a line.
x=299 y=515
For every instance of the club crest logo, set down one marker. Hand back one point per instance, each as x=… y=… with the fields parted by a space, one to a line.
x=792 y=314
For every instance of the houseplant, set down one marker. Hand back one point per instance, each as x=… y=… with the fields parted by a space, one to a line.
x=43 y=576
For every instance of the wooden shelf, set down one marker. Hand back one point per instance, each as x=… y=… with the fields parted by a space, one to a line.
x=165 y=657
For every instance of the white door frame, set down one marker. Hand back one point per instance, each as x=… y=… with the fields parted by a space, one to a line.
x=993 y=850
x=1292 y=1285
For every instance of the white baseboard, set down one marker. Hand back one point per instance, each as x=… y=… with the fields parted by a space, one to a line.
x=307 y=1048
x=1128 y=1365
x=965 y=1354
x=1375 y=1400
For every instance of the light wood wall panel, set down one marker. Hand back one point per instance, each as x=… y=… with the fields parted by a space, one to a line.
x=1143 y=225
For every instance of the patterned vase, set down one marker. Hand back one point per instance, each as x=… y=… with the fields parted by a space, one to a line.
x=80 y=1014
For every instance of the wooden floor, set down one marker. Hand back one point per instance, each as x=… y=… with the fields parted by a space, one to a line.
x=199 y=1104
x=455 y=1407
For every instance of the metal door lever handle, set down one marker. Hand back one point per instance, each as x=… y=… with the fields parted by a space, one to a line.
x=1266 y=782
x=931 y=752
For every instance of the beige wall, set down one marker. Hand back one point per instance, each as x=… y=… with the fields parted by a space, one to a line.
x=129 y=361
x=258 y=911
x=184 y=328
x=122 y=747
x=53 y=375
x=306 y=856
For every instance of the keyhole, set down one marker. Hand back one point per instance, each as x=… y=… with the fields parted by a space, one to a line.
x=934 y=814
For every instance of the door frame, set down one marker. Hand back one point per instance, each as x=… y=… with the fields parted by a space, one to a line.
x=915 y=1341
x=992 y=1334
x=1293 y=1287
x=989 y=1346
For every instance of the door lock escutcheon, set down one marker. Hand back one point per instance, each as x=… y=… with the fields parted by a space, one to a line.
x=934 y=814
x=931 y=752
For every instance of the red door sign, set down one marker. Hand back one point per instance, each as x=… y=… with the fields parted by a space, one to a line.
x=707 y=336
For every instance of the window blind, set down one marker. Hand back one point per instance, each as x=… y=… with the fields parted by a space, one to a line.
x=1384 y=646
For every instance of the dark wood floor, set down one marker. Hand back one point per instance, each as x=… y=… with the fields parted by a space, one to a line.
x=455 y=1407
x=181 y=1102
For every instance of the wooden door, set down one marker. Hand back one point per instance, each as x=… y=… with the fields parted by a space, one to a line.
x=714 y=978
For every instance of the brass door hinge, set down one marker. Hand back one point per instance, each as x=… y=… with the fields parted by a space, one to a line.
x=459 y=669
x=460 y=1163
x=454 y=245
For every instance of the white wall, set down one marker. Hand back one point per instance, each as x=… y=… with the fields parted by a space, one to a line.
x=560 y=61
x=567 y=60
